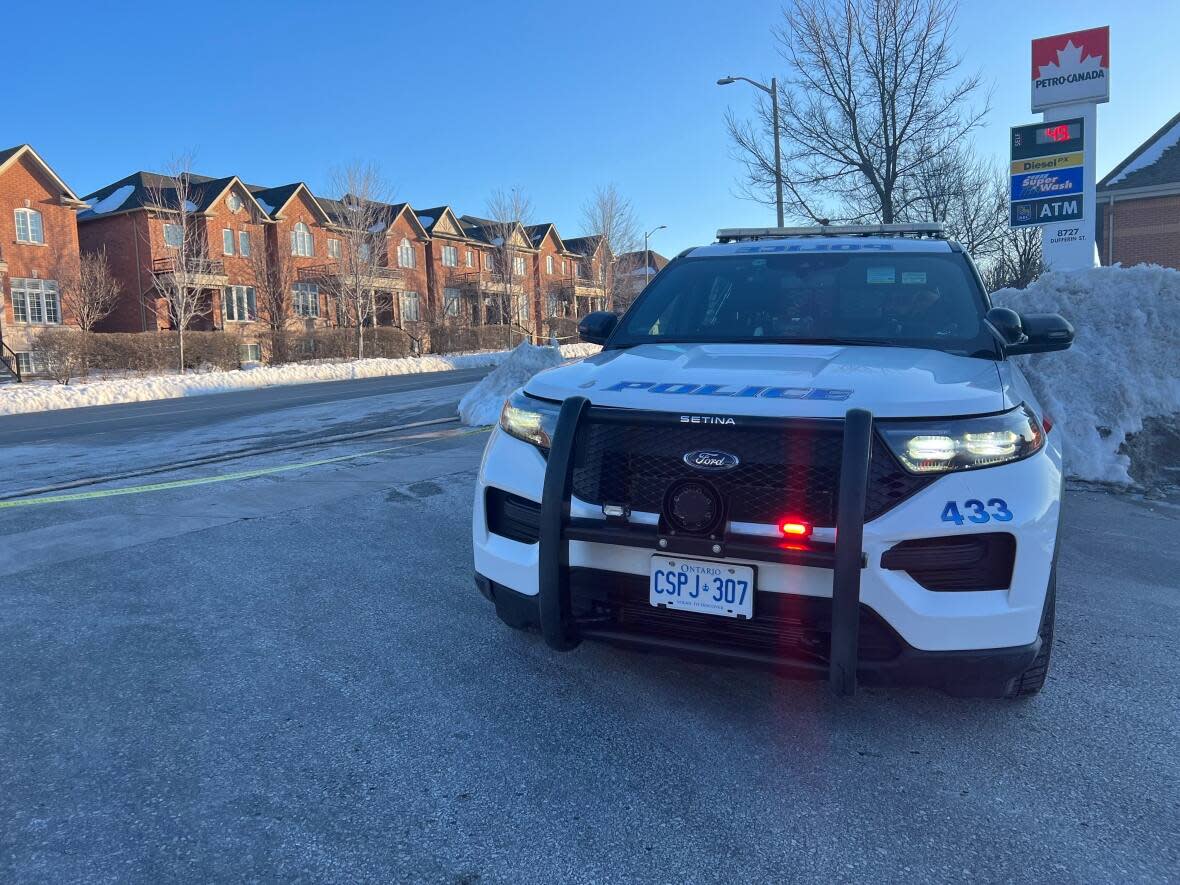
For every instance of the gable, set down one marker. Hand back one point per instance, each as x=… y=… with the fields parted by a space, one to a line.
x=447 y=224
x=519 y=240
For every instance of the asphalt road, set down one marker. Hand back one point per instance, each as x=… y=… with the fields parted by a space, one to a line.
x=291 y=677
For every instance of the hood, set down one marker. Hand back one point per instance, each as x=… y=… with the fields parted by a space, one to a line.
x=796 y=380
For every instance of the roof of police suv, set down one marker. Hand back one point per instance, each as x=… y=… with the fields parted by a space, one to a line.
x=848 y=245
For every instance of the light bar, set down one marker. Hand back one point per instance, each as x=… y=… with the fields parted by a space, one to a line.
x=935 y=229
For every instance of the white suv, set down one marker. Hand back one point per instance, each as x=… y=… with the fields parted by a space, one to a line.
x=800 y=447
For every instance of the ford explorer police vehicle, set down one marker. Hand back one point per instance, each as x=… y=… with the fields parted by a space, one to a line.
x=805 y=447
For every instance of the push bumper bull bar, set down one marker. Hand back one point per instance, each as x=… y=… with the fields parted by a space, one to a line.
x=845 y=557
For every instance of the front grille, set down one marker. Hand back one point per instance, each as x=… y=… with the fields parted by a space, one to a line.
x=783 y=625
x=785 y=469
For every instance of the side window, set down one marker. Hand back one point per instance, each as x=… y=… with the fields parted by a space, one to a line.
x=333 y=248
x=28 y=226
x=405 y=254
x=301 y=241
x=244 y=243
x=173 y=236
x=227 y=241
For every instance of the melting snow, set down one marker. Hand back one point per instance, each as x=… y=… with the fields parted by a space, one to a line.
x=113 y=200
x=190 y=206
x=377 y=228
x=1150 y=156
x=1123 y=367
x=266 y=207
x=425 y=220
x=482 y=404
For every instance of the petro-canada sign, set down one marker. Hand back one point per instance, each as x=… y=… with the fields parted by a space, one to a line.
x=1071 y=68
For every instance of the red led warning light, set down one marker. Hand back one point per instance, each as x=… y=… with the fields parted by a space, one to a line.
x=794 y=529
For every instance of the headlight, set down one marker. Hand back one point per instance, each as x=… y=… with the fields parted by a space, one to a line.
x=963 y=443
x=529 y=419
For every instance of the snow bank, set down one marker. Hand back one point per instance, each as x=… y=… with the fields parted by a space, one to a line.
x=482 y=404
x=1123 y=368
x=40 y=396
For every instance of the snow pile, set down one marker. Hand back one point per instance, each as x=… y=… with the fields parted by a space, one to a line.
x=40 y=396
x=1123 y=368
x=481 y=405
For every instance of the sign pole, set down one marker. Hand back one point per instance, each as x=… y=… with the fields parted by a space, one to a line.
x=1073 y=245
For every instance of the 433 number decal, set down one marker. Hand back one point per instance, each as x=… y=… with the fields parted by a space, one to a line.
x=977 y=511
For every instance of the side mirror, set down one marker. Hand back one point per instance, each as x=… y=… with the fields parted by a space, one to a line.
x=595 y=328
x=1043 y=333
x=1007 y=324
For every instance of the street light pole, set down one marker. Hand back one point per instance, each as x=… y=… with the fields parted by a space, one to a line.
x=771 y=90
x=647 y=253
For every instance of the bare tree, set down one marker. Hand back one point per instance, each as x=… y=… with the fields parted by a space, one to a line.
x=873 y=94
x=274 y=282
x=89 y=292
x=966 y=192
x=610 y=216
x=508 y=211
x=180 y=286
x=1017 y=262
x=361 y=219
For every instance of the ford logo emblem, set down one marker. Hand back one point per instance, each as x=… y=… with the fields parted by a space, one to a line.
x=709 y=460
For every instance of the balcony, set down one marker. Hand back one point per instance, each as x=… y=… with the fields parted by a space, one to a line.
x=488 y=281
x=197 y=271
x=329 y=274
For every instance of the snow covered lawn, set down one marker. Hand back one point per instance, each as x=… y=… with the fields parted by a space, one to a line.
x=40 y=396
x=1123 y=368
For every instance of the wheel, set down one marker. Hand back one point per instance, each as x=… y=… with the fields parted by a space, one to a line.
x=1032 y=680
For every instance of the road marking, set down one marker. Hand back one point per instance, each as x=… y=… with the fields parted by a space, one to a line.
x=227 y=477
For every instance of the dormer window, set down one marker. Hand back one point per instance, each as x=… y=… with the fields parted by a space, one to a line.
x=28 y=226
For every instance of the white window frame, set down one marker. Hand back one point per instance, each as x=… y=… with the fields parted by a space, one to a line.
x=452 y=299
x=471 y=258
x=549 y=265
x=405 y=253
x=227 y=241
x=244 y=246
x=35 y=302
x=230 y=298
x=170 y=228
x=302 y=241
x=450 y=256
x=250 y=353
x=305 y=298
x=34 y=226
x=27 y=362
x=410 y=299
x=334 y=249
x=519 y=269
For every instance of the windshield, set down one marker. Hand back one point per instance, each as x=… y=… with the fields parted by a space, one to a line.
x=903 y=299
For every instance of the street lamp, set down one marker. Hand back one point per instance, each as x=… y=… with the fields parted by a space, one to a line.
x=772 y=91
x=647 y=253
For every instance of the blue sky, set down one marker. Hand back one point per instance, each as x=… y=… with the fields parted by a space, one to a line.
x=453 y=100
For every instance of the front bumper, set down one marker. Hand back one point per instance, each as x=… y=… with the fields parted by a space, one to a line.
x=989 y=624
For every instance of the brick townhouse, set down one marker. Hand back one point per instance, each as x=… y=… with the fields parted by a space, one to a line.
x=140 y=222
x=590 y=266
x=38 y=244
x=1139 y=203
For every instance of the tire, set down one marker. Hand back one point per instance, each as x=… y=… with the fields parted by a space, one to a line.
x=1032 y=680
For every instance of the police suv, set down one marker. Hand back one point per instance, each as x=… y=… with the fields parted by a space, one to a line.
x=804 y=447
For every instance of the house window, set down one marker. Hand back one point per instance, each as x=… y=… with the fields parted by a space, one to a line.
x=333 y=248
x=522 y=311
x=518 y=265
x=549 y=264
x=451 y=300
x=234 y=202
x=173 y=235
x=227 y=241
x=28 y=226
x=405 y=254
x=238 y=306
x=450 y=256
x=244 y=243
x=470 y=258
x=36 y=302
x=27 y=364
x=489 y=261
x=409 y=302
x=364 y=251
x=306 y=297
x=301 y=241
x=250 y=353
x=564 y=267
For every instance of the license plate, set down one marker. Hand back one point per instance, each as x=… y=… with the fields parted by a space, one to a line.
x=699 y=585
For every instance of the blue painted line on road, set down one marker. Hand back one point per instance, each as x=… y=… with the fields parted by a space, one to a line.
x=236 y=476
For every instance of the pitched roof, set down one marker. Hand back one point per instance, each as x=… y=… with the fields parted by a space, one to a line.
x=1155 y=163
x=141 y=190
x=656 y=260
x=12 y=154
x=583 y=245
